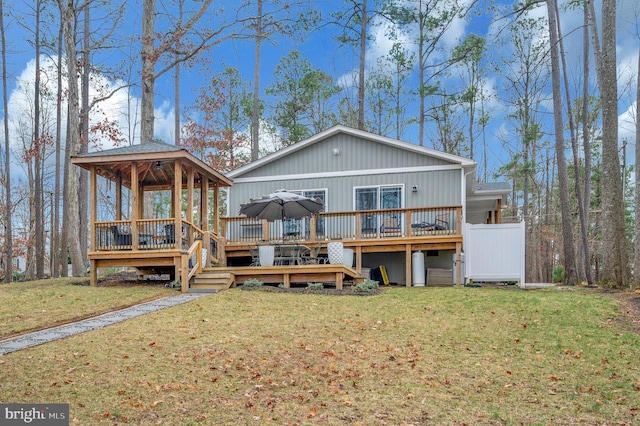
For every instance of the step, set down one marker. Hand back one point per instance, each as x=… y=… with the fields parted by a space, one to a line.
x=202 y=290
x=211 y=281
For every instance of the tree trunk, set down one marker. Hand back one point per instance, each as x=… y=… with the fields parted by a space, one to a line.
x=83 y=193
x=255 y=114
x=583 y=273
x=563 y=178
x=8 y=231
x=148 y=72
x=176 y=87
x=68 y=15
x=615 y=273
x=56 y=257
x=363 y=49
x=586 y=147
x=636 y=258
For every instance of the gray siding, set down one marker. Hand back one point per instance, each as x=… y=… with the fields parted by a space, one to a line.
x=435 y=188
x=354 y=154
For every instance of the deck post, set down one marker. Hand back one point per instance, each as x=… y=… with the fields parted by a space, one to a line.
x=135 y=205
x=407 y=267
x=93 y=273
x=287 y=280
x=458 y=265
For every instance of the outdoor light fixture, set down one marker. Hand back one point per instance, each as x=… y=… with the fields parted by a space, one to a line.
x=336 y=151
x=158 y=164
x=414 y=188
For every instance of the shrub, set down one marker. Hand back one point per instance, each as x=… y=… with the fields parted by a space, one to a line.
x=366 y=286
x=253 y=282
x=558 y=274
x=174 y=284
x=315 y=286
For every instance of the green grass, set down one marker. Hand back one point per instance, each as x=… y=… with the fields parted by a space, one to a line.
x=32 y=305
x=406 y=356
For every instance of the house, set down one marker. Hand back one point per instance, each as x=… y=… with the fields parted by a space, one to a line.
x=386 y=202
x=391 y=202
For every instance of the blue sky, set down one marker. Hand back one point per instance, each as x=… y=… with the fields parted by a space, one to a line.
x=338 y=61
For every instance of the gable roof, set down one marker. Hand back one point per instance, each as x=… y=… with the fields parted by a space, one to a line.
x=117 y=162
x=454 y=159
x=155 y=147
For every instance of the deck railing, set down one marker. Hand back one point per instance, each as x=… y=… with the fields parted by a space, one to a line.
x=362 y=224
x=151 y=234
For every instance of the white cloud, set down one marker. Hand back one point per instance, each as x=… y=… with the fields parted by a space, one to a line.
x=118 y=105
x=164 y=124
x=627 y=126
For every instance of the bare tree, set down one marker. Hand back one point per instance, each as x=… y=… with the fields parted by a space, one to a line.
x=586 y=146
x=266 y=24
x=429 y=20
x=583 y=271
x=615 y=258
x=8 y=225
x=178 y=44
x=71 y=220
x=636 y=258
x=354 y=21
x=563 y=178
x=58 y=262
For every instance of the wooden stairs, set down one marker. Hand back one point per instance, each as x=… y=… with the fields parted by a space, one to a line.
x=211 y=281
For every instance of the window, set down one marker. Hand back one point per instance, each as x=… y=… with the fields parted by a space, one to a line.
x=376 y=198
x=297 y=227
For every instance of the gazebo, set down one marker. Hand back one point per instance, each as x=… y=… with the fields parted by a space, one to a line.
x=154 y=207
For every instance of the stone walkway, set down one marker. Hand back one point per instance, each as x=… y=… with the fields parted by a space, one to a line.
x=50 y=334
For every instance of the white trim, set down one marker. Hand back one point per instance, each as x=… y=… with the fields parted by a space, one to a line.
x=495 y=197
x=348 y=173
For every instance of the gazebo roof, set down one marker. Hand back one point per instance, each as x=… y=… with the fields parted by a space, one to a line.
x=155 y=164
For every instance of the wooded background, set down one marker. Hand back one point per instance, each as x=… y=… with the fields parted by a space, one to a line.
x=532 y=90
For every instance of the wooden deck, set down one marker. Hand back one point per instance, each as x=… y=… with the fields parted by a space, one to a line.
x=227 y=257
x=292 y=274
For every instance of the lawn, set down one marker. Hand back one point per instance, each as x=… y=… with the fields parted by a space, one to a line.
x=32 y=305
x=407 y=356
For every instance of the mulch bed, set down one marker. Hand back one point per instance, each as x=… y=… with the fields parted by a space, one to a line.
x=126 y=279
x=347 y=290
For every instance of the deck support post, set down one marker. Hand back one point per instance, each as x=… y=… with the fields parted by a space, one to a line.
x=407 y=268
x=458 y=265
x=93 y=273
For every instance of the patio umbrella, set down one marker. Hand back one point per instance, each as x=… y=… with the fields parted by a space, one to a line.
x=281 y=205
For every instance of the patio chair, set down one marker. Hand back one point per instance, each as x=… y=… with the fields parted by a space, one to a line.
x=390 y=225
x=170 y=235
x=441 y=223
x=255 y=256
x=120 y=239
x=313 y=257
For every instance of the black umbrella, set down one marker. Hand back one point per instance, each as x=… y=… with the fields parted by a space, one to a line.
x=281 y=205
